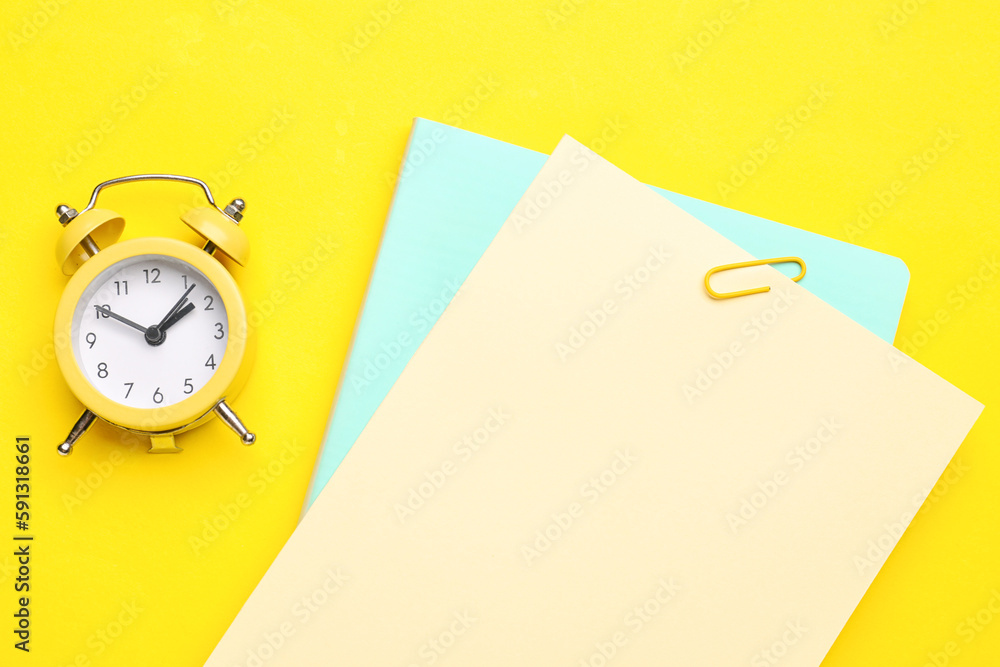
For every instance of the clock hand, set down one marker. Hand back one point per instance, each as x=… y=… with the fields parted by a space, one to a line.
x=175 y=307
x=104 y=310
x=176 y=317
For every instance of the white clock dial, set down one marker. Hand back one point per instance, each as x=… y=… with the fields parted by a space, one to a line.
x=118 y=342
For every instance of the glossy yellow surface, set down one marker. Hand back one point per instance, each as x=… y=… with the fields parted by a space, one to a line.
x=870 y=121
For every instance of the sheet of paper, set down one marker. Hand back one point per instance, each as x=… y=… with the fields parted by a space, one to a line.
x=454 y=191
x=590 y=462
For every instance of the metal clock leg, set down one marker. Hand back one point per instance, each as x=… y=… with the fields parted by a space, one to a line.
x=81 y=426
x=226 y=414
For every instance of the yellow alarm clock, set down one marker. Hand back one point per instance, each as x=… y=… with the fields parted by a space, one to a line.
x=155 y=329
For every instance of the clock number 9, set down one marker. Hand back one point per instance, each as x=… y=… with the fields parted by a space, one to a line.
x=91 y=339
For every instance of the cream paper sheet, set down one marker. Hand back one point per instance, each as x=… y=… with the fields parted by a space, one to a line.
x=590 y=462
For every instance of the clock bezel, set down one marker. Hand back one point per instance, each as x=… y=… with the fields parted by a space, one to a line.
x=224 y=382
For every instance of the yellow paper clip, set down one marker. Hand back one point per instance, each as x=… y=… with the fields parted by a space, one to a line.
x=739 y=265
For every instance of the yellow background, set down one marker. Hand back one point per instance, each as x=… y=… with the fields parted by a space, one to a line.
x=290 y=106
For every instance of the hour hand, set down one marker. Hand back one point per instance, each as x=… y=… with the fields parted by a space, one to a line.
x=104 y=310
x=170 y=321
x=173 y=309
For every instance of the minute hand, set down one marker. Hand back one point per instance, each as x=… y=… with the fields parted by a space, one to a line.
x=104 y=310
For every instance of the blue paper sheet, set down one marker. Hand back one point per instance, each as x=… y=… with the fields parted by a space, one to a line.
x=454 y=191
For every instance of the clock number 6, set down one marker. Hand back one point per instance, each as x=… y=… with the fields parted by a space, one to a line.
x=157 y=396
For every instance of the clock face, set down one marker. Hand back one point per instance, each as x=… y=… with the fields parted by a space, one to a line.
x=149 y=331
